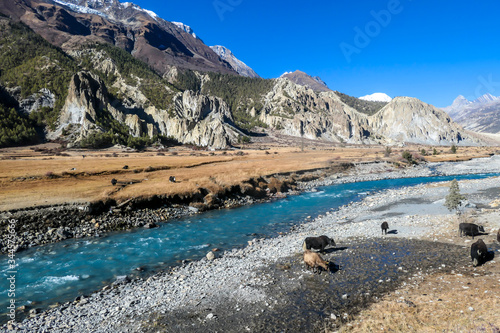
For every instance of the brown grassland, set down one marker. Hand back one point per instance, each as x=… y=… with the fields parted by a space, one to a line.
x=29 y=177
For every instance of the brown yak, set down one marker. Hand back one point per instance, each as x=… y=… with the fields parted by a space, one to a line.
x=313 y=260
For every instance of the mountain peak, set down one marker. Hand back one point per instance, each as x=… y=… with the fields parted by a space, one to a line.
x=239 y=66
x=377 y=97
x=303 y=79
x=486 y=98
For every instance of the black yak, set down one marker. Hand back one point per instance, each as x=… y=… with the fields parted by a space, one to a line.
x=313 y=260
x=317 y=243
x=469 y=229
x=385 y=227
x=478 y=252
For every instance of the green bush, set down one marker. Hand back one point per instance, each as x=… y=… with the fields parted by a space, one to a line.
x=408 y=157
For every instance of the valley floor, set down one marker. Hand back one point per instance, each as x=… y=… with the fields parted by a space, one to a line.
x=418 y=278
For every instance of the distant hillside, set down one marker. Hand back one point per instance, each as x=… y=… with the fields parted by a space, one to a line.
x=481 y=115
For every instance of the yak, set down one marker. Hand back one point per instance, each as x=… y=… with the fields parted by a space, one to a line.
x=469 y=229
x=478 y=252
x=313 y=260
x=498 y=236
x=317 y=243
x=385 y=227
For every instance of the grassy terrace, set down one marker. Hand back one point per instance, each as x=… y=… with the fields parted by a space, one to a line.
x=29 y=177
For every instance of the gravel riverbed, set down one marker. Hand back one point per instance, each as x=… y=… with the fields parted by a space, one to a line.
x=265 y=286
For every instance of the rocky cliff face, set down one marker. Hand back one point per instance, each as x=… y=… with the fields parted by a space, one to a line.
x=407 y=119
x=86 y=100
x=200 y=120
x=195 y=118
x=297 y=110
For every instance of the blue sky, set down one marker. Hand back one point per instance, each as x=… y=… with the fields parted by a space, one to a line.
x=420 y=48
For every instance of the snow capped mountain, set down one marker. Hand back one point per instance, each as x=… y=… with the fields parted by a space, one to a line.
x=377 y=97
x=185 y=28
x=480 y=115
x=486 y=98
x=238 y=65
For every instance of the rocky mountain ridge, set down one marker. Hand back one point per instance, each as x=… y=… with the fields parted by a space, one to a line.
x=304 y=79
x=71 y=23
x=239 y=66
x=109 y=96
x=480 y=115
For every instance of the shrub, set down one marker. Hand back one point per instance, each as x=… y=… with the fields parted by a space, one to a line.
x=387 y=151
x=408 y=157
x=453 y=149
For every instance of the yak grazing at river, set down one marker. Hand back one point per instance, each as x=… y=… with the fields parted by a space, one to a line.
x=317 y=243
x=469 y=229
x=313 y=260
x=478 y=252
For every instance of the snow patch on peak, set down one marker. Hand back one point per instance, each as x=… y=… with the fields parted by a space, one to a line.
x=151 y=13
x=377 y=97
x=80 y=9
x=185 y=28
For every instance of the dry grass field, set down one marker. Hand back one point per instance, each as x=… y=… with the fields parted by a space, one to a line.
x=40 y=175
x=462 y=302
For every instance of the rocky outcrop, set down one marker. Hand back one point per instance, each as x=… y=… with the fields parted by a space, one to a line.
x=407 y=119
x=200 y=120
x=43 y=99
x=86 y=101
x=297 y=110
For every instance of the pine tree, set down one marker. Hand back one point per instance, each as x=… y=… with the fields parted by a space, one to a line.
x=454 y=199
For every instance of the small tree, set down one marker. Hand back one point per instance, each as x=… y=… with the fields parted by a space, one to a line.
x=387 y=151
x=423 y=152
x=453 y=149
x=435 y=152
x=454 y=199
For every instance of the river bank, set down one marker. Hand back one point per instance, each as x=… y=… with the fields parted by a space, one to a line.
x=246 y=288
x=44 y=225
